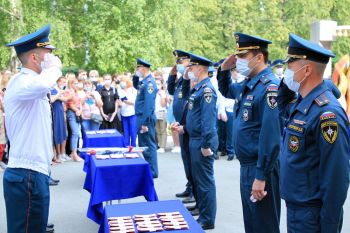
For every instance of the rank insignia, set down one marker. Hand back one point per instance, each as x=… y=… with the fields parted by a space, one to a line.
x=271 y=99
x=245 y=115
x=150 y=88
x=299 y=122
x=208 y=97
x=190 y=105
x=329 y=131
x=294 y=143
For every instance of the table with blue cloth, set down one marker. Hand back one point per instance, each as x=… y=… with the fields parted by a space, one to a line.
x=116 y=179
x=149 y=208
x=103 y=138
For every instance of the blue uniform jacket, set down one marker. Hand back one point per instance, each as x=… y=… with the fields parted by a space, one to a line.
x=180 y=90
x=201 y=114
x=145 y=100
x=314 y=154
x=257 y=125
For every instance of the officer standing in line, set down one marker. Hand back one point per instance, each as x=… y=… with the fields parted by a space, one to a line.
x=257 y=132
x=201 y=126
x=144 y=110
x=315 y=147
x=278 y=68
x=180 y=89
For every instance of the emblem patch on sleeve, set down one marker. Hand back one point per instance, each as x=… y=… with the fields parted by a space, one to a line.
x=271 y=98
x=294 y=143
x=208 y=97
x=150 y=88
x=329 y=131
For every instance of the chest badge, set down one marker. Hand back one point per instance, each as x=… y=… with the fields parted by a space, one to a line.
x=245 y=115
x=180 y=94
x=329 y=131
x=294 y=143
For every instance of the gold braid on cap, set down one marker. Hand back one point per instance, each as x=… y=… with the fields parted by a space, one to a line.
x=297 y=56
x=43 y=44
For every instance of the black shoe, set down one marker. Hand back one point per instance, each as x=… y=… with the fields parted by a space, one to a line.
x=223 y=153
x=188 y=200
x=50 y=230
x=216 y=157
x=230 y=157
x=206 y=226
x=195 y=212
x=191 y=208
x=183 y=194
x=50 y=225
x=52 y=183
x=56 y=181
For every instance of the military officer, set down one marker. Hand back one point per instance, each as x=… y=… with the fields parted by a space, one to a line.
x=201 y=126
x=315 y=144
x=180 y=89
x=144 y=109
x=256 y=131
x=278 y=68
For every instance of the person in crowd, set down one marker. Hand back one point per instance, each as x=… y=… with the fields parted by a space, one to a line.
x=57 y=99
x=170 y=120
x=29 y=129
x=160 y=111
x=82 y=74
x=116 y=81
x=73 y=114
x=109 y=109
x=278 y=68
x=144 y=82
x=128 y=95
x=314 y=156
x=257 y=131
x=91 y=103
x=94 y=76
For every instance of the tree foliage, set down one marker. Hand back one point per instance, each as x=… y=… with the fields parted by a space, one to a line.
x=109 y=34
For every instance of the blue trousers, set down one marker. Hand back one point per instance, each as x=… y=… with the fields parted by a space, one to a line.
x=130 y=130
x=90 y=125
x=27 y=199
x=301 y=219
x=203 y=177
x=221 y=126
x=148 y=139
x=75 y=129
x=186 y=159
x=261 y=216
x=229 y=134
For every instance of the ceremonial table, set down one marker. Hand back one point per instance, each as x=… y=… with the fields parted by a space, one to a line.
x=103 y=138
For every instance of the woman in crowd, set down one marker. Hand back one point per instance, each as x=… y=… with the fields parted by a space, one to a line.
x=91 y=103
x=161 y=113
x=74 y=111
x=57 y=98
x=109 y=109
x=128 y=95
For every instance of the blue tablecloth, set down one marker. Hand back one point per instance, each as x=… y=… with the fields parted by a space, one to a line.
x=114 y=139
x=115 y=179
x=149 y=208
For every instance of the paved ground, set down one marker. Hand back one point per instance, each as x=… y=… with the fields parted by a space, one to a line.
x=69 y=201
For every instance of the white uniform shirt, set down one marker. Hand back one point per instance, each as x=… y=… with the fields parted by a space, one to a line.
x=28 y=119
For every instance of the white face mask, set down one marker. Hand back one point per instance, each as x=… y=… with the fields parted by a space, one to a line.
x=289 y=80
x=279 y=71
x=192 y=76
x=242 y=66
x=123 y=85
x=180 y=68
x=108 y=82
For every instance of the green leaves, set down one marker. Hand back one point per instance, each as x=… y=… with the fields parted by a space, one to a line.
x=109 y=34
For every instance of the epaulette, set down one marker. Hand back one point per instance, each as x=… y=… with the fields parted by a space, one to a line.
x=265 y=79
x=322 y=100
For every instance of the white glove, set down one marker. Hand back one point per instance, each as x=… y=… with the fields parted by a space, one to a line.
x=50 y=61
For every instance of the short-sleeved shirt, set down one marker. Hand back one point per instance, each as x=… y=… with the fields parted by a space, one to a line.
x=108 y=98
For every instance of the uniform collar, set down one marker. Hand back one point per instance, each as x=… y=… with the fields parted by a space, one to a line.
x=253 y=81
x=28 y=71
x=147 y=77
x=306 y=102
x=201 y=83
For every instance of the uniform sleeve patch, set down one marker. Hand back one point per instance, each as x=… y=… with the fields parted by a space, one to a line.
x=329 y=131
x=271 y=99
x=208 y=96
x=327 y=115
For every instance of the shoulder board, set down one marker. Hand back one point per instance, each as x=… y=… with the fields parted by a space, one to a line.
x=265 y=79
x=322 y=100
x=204 y=85
x=272 y=87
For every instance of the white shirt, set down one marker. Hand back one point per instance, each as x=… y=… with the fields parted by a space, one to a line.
x=28 y=119
x=127 y=109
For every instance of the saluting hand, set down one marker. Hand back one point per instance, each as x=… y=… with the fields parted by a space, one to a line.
x=50 y=61
x=173 y=70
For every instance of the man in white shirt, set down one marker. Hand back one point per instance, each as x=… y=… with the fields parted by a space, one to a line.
x=29 y=129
